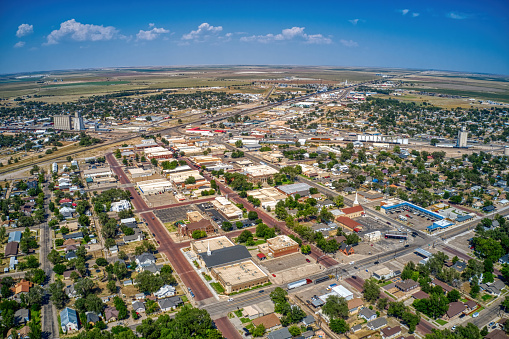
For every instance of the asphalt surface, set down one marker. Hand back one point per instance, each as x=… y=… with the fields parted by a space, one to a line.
x=166 y=245
x=48 y=314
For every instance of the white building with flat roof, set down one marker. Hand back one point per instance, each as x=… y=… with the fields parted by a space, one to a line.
x=154 y=186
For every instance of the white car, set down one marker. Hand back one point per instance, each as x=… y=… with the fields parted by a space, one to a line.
x=231 y=299
x=352 y=262
x=475 y=315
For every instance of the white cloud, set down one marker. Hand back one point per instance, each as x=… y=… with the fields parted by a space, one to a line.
x=404 y=11
x=457 y=16
x=203 y=32
x=19 y=44
x=151 y=34
x=354 y=21
x=349 y=43
x=289 y=34
x=24 y=29
x=415 y=14
x=81 y=32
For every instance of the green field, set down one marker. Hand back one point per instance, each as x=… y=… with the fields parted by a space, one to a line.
x=469 y=94
x=94 y=83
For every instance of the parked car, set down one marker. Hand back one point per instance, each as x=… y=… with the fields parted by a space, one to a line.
x=308 y=260
x=475 y=315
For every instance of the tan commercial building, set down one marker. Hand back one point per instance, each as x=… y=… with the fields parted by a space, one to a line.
x=202 y=246
x=226 y=208
x=281 y=245
x=179 y=179
x=268 y=197
x=259 y=173
x=239 y=276
x=62 y=122
x=154 y=186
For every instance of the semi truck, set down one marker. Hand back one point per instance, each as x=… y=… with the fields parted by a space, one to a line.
x=299 y=283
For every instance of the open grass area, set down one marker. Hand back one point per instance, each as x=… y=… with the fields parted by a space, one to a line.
x=217 y=287
x=252 y=288
x=486 y=297
x=441 y=322
x=486 y=95
x=238 y=313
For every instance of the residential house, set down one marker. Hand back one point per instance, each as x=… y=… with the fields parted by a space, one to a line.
x=77 y=235
x=270 y=321
x=70 y=255
x=92 y=318
x=407 y=285
x=494 y=288
x=137 y=236
x=23 y=333
x=420 y=295
x=70 y=291
x=354 y=305
x=144 y=259
x=11 y=249
x=22 y=287
x=367 y=314
x=470 y=306
x=376 y=324
x=455 y=309
x=14 y=236
x=390 y=332
x=280 y=334
x=445 y=287
x=165 y=291
x=21 y=316
x=110 y=314
x=68 y=320
x=346 y=249
x=308 y=320
x=138 y=306
x=496 y=334
x=121 y=205
x=67 y=212
x=170 y=303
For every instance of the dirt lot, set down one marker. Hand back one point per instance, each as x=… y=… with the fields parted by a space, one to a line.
x=156 y=200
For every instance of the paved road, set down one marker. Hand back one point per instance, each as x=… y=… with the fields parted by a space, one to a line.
x=48 y=314
x=166 y=245
x=227 y=329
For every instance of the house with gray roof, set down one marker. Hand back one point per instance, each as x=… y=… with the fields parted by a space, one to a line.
x=14 y=236
x=21 y=316
x=280 y=334
x=367 y=314
x=144 y=259
x=168 y=304
x=376 y=324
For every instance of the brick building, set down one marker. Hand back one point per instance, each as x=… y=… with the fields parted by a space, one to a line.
x=282 y=245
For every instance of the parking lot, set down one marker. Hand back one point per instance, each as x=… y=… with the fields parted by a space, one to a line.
x=369 y=225
x=414 y=218
x=285 y=262
x=174 y=213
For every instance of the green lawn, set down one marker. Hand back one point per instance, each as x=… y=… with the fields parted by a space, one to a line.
x=244 y=320
x=252 y=288
x=486 y=297
x=441 y=321
x=238 y=313
x=217 y=287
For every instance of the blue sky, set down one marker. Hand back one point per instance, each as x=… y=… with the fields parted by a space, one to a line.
x=448 y=35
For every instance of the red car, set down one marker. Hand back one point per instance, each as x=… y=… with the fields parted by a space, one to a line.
x=273 y=275
x=308 y=260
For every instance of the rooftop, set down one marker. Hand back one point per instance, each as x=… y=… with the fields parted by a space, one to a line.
x=280 y=242
x=240 y=273
x=216 y=243
x=225 y=256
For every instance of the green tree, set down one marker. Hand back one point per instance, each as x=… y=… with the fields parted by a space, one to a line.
x=335 y=307
x=382 y=304
x=453 y=296
x=239 y=143
x=339 y=326
x=258 y=331
x=37 y=276
x=148 y=282
x=58 y=296
x=371 y=290
x=305 y=249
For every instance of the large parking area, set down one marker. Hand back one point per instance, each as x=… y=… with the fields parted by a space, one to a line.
x=285 y=262
x=174 y=213
x=414 y=218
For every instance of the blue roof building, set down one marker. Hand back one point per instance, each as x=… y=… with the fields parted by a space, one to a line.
x=68 y=320
x=14 y=236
